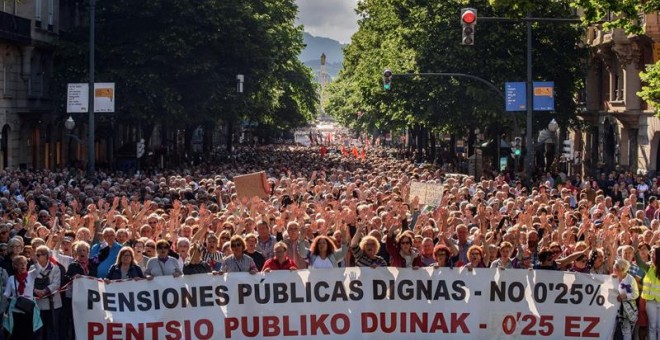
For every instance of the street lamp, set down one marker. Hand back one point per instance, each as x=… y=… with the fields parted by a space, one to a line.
x=69 y=124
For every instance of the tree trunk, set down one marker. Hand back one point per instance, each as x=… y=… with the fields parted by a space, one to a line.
x=432 y=154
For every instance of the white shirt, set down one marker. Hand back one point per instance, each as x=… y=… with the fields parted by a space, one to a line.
x=320 y=263
x=11 y=288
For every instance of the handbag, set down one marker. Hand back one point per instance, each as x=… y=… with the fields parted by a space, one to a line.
x=24 y=305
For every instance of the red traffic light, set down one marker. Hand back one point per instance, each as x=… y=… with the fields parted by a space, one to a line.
x=469 y=17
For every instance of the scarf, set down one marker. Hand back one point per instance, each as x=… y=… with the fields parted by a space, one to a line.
x=22 y=280
x=84 y=266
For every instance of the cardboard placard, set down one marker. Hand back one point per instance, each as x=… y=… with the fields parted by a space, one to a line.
x=428 y=193
x=250 y=185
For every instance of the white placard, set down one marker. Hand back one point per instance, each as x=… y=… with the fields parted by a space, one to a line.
x=78 y=97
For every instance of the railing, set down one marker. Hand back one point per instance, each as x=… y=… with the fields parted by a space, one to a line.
x=15 y=29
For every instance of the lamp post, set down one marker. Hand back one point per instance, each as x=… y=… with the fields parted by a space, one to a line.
x=90 y=142
x=70 y=124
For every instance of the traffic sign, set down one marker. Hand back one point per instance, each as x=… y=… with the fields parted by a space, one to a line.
x=544 y=96
x=515 y=96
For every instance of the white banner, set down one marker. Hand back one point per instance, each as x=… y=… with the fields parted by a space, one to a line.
x=78 y=97
x=353 y=303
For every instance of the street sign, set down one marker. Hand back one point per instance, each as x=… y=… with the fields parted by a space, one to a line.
x=544 y=96
x=78 y=97
x=515 y=96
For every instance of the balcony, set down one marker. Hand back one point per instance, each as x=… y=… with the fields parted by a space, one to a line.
x=15 y=29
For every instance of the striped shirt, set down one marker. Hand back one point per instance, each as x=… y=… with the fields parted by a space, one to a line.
x=362 y=260
x=214 y=259
x=234 y=265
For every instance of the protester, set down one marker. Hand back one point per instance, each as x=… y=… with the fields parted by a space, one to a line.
x=125 y=267
x=238 y=261
x=628 y=293
x=23 y=316
x=46 y=286
x=162 y=264
x=281 y=261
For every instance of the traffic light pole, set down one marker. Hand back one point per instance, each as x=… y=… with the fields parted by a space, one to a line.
x=529 y=140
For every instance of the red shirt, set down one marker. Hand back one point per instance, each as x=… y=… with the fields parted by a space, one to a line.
x=273 y=264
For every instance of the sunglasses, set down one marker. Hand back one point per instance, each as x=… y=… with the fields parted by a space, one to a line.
x=159 y=248
x=235 y=245
x=405 y=242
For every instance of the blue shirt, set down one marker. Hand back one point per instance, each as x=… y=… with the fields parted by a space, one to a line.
x=104 y=266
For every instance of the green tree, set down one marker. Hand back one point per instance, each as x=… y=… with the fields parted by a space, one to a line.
x=424 y=36
x=175 y=63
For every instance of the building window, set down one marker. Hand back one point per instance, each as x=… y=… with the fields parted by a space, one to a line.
x=51 y=9
x=618 y=83
x=37 y=13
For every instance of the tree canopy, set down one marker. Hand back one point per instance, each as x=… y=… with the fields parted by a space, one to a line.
x=175 y=63
x=425 y=36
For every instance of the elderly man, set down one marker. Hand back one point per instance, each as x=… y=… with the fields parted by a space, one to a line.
x=105 y=253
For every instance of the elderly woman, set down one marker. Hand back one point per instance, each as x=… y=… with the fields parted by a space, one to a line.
x=400 y=248
x=46 y=283
x=125 y=267
x=280 y=261
x=23 y=319
x=15 y=248
x=238 y=262
x=324 y=254
x=163 y=264
x=442 y=256
x=475 y=258
x=365 y=250
x=628 y=293
x=504 y=261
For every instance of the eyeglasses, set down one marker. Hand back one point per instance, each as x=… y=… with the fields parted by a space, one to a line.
x=150 y=246
x=440 y=255
x=236 y=245
x=475 y=254
x=153 y=222
x=160 y=248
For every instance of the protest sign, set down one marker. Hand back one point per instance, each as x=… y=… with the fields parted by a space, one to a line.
x=428 y=193
x=251 y=185
x=354 y=303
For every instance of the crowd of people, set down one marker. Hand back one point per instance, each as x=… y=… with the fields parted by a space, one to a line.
x=323 y=211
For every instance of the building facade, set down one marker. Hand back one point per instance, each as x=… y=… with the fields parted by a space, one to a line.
x=620 y=130
x=31 y=118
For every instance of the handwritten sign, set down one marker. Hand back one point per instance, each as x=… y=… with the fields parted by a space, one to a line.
x=428 y=193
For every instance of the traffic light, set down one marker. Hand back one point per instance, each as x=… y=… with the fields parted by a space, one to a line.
x=387 y=79
x=468 y=20
x=568 y=150
x=517 y=145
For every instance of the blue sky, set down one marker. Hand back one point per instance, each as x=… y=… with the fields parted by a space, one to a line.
x=334 y=19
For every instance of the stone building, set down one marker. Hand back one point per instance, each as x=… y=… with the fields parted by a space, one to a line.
x=621 y=131
x=31 y=119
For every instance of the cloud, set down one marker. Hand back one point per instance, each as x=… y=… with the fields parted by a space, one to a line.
x=334 y=19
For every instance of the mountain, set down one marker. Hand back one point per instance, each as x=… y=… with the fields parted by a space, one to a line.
x=315 y=46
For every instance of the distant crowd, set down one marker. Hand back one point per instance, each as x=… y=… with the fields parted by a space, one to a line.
x=323 y=210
